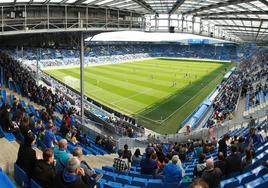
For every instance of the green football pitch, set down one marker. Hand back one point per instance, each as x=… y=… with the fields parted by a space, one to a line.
x=160 y=93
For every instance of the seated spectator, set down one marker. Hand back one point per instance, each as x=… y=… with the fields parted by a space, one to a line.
x=148 y=165
x=200 y=166
x=61 y=155
x=90 y=172
x=37 y=127
x=199 y=149
x=172 y=171
x=136 y=158
x=50 y=138
x=73 y=138
x=73 y=176
x=127 y=153
x=233 y=161
x=221 y=163
x=212 y=176
x=120 y=164
x=45 y=169
x=247 y=160
x=27 y=156
x=64 y=129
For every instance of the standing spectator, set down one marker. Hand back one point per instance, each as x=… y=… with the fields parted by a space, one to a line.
x=5 y=119
x=172 y=171
x=45 y=169
x=27 y=156
x=136 y=158
x=120 y=164
x=223 y=145
x=247 y=160
x=251 y=122
x=233 y=161
x=148 y=165
x=127 y=153
x=61 y=155
x=221 y=163
x=31 y=121
x=50 y=138
x=253 y=138
x=200 y=166
x=212 y=176
x=73 y=176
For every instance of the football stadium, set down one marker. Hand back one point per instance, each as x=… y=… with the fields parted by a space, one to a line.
x=133 y=93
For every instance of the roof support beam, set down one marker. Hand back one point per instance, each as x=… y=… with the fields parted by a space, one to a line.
x=259 y=30
x=264 y=2
x=236 y=18
x=217 y=5
x=239 y=26
x=176 y=6
x=231 y=13
x=143 y=4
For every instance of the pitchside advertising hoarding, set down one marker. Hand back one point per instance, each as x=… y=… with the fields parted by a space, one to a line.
x=198 y=41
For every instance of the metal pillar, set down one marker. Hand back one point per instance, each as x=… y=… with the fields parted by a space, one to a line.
x=2 y=19
x=82 y=77
x=38 y=54
x=193 y=21
x=2 y=76
x=182 y=20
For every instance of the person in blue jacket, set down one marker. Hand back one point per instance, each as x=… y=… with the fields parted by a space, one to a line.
x=172 y=171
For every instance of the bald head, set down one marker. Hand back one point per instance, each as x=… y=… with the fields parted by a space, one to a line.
x=63 y=144
x=175 y=159
x=210 y=163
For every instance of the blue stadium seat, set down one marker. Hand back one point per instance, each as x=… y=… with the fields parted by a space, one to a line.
x=139 y=182
x=171 y=185
x=108 y=168
x=21 y=177
x=154 y=183
x=245 y=178
x=130 y=186
x=259 y=171
x=109 y=176
x=5 y=182
x=124 y=179
x=101 y=183
x=257 y=183
x=34 y=184
x=110 y=184
x=229 y=183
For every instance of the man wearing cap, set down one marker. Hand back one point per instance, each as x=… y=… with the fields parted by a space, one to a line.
x=172 y=171
x=73 y=176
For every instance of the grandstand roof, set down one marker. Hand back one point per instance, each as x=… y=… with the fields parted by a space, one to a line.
x=247 y=19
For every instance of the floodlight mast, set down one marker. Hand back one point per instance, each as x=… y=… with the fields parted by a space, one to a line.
x=82 y=78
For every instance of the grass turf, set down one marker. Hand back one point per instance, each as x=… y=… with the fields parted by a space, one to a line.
x=160 y=93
